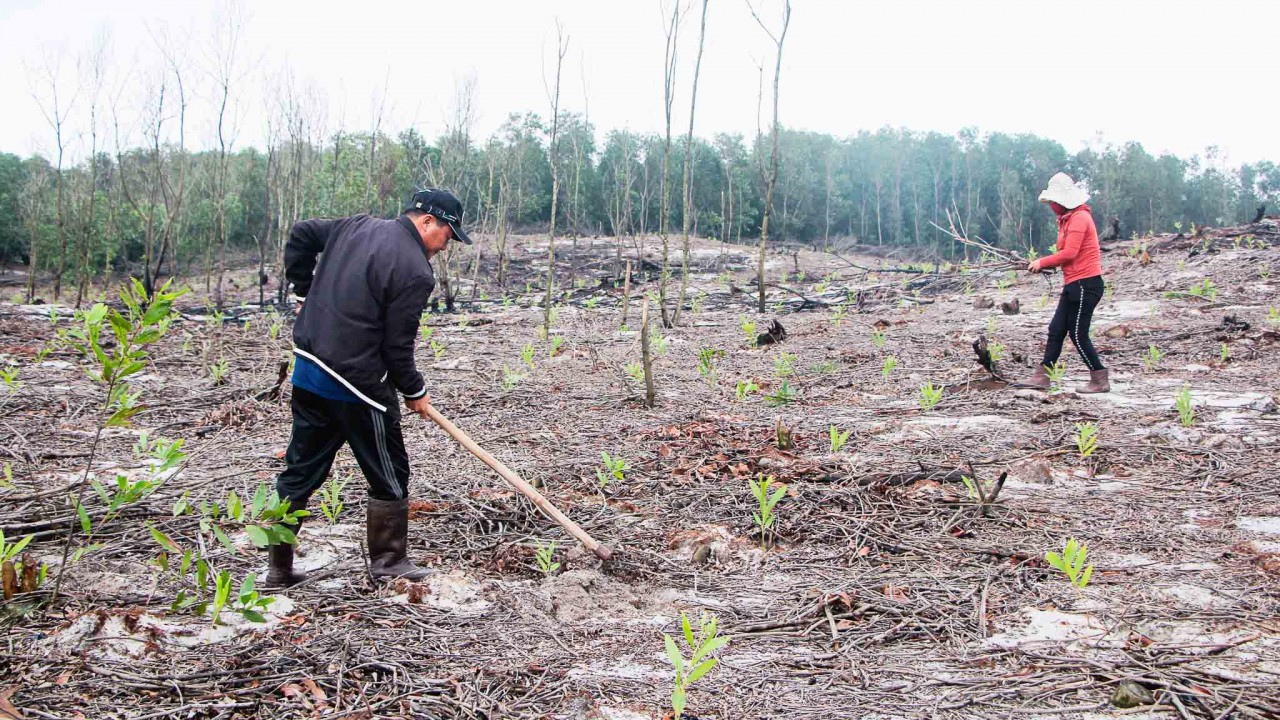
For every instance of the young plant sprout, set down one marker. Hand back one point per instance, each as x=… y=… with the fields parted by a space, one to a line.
x=784 y=395
x=1086 y=438
x=1072 y=563
x=545 y=557
x=331 y=498
x=878 y=338
x=929 y=396
x=1154 y=356
x=785 y=364
x=1186 y=407
x=838 y=439
x=766 y=501
x=612 y=468
x=689 y=670
x=890 y=364
x=745 y=388
x=748 y=328
x=1057 y=373
x=526 y=355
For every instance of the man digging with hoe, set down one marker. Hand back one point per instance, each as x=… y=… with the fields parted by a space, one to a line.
x=354 y=342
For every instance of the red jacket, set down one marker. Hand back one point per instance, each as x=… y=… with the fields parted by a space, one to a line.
x=1078 y=252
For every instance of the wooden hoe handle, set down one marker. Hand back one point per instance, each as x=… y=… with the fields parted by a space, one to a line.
x=525 y=488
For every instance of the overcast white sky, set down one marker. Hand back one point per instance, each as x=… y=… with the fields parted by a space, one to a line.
x=1175 y=75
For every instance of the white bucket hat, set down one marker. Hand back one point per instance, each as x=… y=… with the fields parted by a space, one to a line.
x=1064 y=191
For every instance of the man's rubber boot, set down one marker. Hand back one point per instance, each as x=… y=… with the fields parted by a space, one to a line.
x=1038 y=380
x=1099 y=382
x=280 y=573
x=388 y=534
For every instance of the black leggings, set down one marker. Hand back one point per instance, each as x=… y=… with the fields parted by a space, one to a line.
x=1075 y=312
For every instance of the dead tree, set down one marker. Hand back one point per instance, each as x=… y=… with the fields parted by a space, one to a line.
x=771 y=180
x=688 y=171
x=1262 y=211
x=672 y=32
x=55 y=113
x=562 y=47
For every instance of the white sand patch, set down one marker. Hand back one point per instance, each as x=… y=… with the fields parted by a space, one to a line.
x=1259 y=524
x=1053 y=627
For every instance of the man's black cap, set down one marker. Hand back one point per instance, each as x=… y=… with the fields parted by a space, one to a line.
x=443 y=205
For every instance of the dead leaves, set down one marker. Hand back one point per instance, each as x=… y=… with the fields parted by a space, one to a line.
x=7 y=710
x=310 y=695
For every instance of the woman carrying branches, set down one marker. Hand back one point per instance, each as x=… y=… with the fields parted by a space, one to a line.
x=1080 y=258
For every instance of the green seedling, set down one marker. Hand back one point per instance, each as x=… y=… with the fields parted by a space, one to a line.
x=266 y=519
x=1225 y=355
x=996 y=350
x=331 y=497
x=1072 y=563
x=991 y=326
x=612 y=468
x=688 y=671
x=6 y=479
x=1057 y=373
x=1206 y=289
x=218 y=371
x=426 y=331
x=635 y=371
x=837 y=315
x=878 y=338
x=557 y=342
x=838 y=439
x=592 y=302
x=437 y=349
x=545 y=556
x=764 y=516
x=526 y=355
x=748 y=329
x=1273 y=316
x=929 y=396
x=510 y=378
x=1154 y=356
x=707 y=358
x=1186 y=407
x=825 y=367
x=890 y=364
x=1086 y=438
x=745 y=388
x=9 y=376
x=784 y=364
x=784 y=395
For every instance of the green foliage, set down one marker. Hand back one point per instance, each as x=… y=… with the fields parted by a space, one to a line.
x=247 y=601
x=425 y=330
x=995 y=349
x=6 y=478
x=592 y=302
x=10 y=550
x=1273 y=316
x=748 y=328
x=511 y=378
x=557 y=342
x=764 y=516
x=1005 y=282
x=9 y=375
x=1072 y=563
x=890 y=364
x=878 y=338
x=218 y=371
x=784 y=395
x=331 y=497
x=745 y=388
x=1206 y=289
x=707 y=358
x=702 y=645
x=1086 y=438
x=824 y=368
x=437 y=349
x=1225 y=353
x=1186 y=407
x=837 y=315
x=635 y=371
x=1153 y=357
x=526 y=355
x=266 y=519
x=611 y=468
x=545 y=557
x=991 y=325
x=838 y=438
x=1057 y=373
x=784 y=364
x=929 y=396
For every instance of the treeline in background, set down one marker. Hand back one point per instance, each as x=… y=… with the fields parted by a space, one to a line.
x=156 y=208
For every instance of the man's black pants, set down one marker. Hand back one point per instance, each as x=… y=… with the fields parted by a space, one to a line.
x=1072 y=319
x=321 y=426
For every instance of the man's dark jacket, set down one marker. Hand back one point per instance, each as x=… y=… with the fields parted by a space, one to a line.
x=363 y=303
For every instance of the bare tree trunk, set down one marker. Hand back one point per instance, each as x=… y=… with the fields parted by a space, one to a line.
x=669 y=91
x=688 y=171
x=562 y=47
x=772 y=180
x=55 y=114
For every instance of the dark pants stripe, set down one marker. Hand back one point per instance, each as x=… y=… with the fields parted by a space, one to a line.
x=321 y=426
x=1072 y=319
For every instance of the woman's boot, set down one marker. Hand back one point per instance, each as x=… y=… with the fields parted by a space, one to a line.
x=1038 y=380
x=1099 y=382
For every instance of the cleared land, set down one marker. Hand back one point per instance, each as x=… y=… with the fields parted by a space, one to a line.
x=887 y=592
